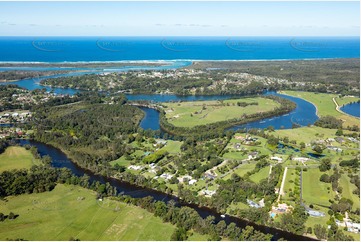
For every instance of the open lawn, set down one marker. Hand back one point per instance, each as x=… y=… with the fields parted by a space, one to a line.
x=347 y=188
x=190 y=114
x=306 y=134
x=172 y=146
x=326 y=106
x=316 y=192
x=16 y=157
x=289 y=183
x=242 y=170
x=262 y=174
x=235 y=155
x=121 y=161
x=72 y=211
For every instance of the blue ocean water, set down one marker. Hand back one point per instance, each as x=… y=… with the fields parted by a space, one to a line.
x=72 y=49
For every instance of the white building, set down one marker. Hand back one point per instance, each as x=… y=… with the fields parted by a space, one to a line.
x=278 y=159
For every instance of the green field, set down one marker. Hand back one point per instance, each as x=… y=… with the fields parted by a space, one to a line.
x=262 y=174
x=346 y=100
x=172 y=146
x=347 y=188
x=306 y=134
x=316 y=192
x=326 y=106
x=289 y=183
x=16 y=157
x=190 y=114
x=242 y=170
x=72 y=211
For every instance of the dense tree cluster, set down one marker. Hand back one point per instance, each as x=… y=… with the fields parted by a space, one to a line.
x=92 y=133
x=329 y=122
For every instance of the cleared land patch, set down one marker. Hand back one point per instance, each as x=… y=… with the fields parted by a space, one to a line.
x=72 y=211
x=316 y=192
x=190 y=114
x=326 y=106
x=16 y=157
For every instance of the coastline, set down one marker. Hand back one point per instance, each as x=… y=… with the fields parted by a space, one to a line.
x=157 y=61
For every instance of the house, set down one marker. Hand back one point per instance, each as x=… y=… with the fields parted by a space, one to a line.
x=329 y=140
x=207 y=193
x=281 y=208
x=278 y=159
x=353 y=227
x=133 y=167
x=192 y=181
x=250 y=138
x=181 y=179
x=337 y=149
x=166 y=176
x=315 y=213
x=340 y=140
x=210 y=176
x=302 y=159
x=239 y=137
x=253 y=204
x=161 y=142
x=252 y=155
x=352 y=139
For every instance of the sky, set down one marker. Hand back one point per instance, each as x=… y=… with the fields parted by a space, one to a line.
x=179 y=18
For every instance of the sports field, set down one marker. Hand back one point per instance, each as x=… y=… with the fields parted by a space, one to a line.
x=326 y=106
x=71 y=211
x=16 y=157
x=190 y=114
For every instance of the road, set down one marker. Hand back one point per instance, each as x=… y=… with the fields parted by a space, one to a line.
x=280 y=193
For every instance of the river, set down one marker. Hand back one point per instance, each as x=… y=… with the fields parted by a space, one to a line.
x=60 y=160
x=304 y=114
x=352 y=109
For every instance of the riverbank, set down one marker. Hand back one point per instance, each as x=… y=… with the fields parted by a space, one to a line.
x=338 y=108
x=325 y=106
x=60 y=160
x=284 y=93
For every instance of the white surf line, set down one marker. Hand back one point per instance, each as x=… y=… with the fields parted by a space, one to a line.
x=282 y=184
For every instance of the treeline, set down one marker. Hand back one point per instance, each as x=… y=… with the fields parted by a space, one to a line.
x=19 y=75
x=37 y=179
x=187 y=219
x=329 y=122
x=3 y=145
x=217 y=129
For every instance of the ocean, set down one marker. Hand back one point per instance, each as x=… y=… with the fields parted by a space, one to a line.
x=93 y=49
